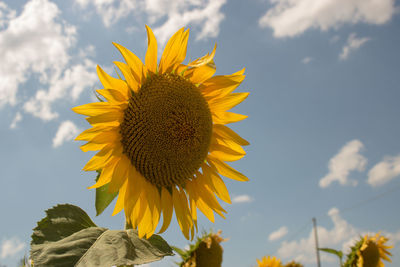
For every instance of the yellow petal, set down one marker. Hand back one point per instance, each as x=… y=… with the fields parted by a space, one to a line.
x=173 y=51
x=222 y=117
x=156 y=211
x=128 y=74
x=166 y=206
x=120 y=174
x=206 y=194
x=106 y=173
x=218 y=184
x=203 y=207
x=145 y=223
x=227 y=133
x=101 y=137
x=153 y=198
x=228 y=143
x=225 y=153
x=113 y=96
x=112 y=83
x=151 y=54
x=106 y=117
x=91 y=133
x=134 y=63
x=222 y=85
x=99 y=160
x=121 y=199
x=92 y=147
x=182 y=211
x=227 y=102
x=132 y=192
x=134 y=215
x=203 y=60
x=183 y=47
x=226 y=170
x=97 y=108
x=200 y=74
x=193 y=210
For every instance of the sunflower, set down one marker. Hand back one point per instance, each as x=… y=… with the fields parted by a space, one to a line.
x=372 y=251
x=269 y=262
x=162 y=136
x=293 y=264
x=206 y=252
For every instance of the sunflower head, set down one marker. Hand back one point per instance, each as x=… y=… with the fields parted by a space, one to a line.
x=293 y=264
x=269 y=262
x=162 y=137
x=206 y=252
x=369 y=251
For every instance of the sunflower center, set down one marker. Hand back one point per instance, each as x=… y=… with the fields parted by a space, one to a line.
x=166 y=131
x=371 y=255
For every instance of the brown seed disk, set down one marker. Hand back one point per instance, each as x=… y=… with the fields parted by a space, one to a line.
x=167 y=128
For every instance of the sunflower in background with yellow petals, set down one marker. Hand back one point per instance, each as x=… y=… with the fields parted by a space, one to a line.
x=269 y=262
x=162 y=136
x=372 y=251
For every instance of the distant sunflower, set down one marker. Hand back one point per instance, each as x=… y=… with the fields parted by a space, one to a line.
x=162 y=136
x=293 y=264
x=372 y=251
x=206 y=252
x=269 y=262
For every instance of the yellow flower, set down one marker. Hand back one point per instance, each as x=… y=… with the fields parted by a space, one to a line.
x=269 y=262
x=162 y=136
x=372 y=251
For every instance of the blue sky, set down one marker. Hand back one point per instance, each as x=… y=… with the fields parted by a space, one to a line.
x=323 y=110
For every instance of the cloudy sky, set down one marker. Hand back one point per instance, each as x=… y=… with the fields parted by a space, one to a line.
x=323 y=110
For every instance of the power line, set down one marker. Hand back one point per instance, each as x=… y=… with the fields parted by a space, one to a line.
x=361 y=203
x=357 y=205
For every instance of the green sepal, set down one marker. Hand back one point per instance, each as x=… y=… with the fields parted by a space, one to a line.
x=352 y=257
x=103 y=197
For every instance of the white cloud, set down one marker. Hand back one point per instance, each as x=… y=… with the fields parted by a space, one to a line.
x=10 y=247
x=33 y=43
x=306 y=60
x=17 y=118
x=205 y=15
x=338 y=237
x=353 y=43
x=289 y=18
x=66 y=132
x=110 y=12
x=73 y=81
x=6 y=14
x=36 y=44
x=346 y=160
x=384 y=171
x=341 y=236
x=169 y=16
x=278 y=234
x=242 y=199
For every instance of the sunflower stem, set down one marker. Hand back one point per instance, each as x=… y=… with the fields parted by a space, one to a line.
x=128 y=225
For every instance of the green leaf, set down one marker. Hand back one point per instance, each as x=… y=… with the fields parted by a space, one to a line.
x=98 y=246
x=103 y=197
x=333 y=251
x=90 y=246
x=67 y=251
x=61 y=221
